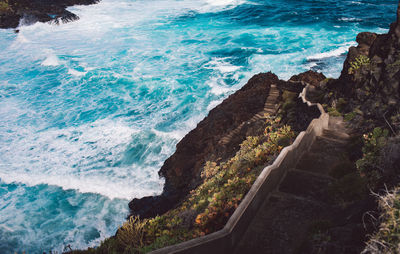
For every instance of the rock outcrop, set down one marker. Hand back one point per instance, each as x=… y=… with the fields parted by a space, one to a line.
x=370 y=80
x=218 y=136
x=31 y=11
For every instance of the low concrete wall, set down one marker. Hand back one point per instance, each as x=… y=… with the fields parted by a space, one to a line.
x=224 y=240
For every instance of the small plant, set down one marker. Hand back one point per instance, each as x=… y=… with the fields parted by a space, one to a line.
x=368 y=165
x=131 y=234
x=333 y=112
x=394 y=67
x=208 y=207
x=387 y=239
x=4 y=6
x=350 y=116
x=360 y=61
x=341 y=104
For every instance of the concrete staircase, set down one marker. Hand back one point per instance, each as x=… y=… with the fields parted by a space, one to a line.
x=301 y=200
x=270 y=108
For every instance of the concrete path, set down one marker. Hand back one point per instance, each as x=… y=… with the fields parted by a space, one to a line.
x=270 y=108
x=301 y=201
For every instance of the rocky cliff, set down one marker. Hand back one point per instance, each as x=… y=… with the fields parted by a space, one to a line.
x=367 y=95
x=218 y=136
x=13 y=11
x=368 y=88
x=369 y=83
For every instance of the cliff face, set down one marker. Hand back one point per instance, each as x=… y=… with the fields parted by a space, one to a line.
x=218 y=136
x=370 y=78
x=182 y=170
x=368 y=87
x=12 y=11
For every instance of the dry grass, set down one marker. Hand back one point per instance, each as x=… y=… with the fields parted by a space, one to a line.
x=387 y=239
x=131 y=234
x=208 y=207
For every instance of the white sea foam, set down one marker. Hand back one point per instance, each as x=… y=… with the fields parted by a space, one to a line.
x=332 y=53
x=85 y=158
x=94 y=218
x=21 y=38
x=222 y=65
x=213 y=104
x=132 y=50
x=51 y=60
x=220 y=5
x=349 y=19
x=76 y=73
x=218 y=86
x=224 y=2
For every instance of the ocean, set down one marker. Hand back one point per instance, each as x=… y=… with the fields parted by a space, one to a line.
x=89 y=110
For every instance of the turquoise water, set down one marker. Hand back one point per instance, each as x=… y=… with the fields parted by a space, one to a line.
x=89 y=110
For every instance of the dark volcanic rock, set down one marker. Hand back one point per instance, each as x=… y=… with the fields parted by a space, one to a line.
x=370 y=80
x=310 y=77
x=182 y=170
x=32 y=11
x=192 y=151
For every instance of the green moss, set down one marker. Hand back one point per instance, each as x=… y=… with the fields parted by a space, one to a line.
x=394 y=67
x=328 y=80
x=318 y=235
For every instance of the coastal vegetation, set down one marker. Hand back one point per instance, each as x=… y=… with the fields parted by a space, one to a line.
x=360 y=61
x=366 y=96
x=208 y=207
x=4 y=6
x=387 y=239
x=369 y=165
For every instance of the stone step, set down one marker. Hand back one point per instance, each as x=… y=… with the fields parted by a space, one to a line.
x=270 y=108
x=337 y=123
x=301 y=202
x=328 y=145
x=321 y=163
x=334 y=134
x=306 y=184
x=281 y=225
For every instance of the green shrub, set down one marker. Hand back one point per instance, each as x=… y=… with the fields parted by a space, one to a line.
x=4 y=6
x=208 y=207
x=368 y=165
x=350 y=116
x=360 y=61
x=333 y=112
x=131 y=234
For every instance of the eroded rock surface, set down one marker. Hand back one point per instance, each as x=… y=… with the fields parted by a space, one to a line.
x=238 y=114
x=31 y=11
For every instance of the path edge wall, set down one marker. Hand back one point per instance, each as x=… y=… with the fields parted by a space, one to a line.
x=225 y=240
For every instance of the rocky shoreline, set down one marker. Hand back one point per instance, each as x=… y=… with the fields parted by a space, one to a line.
x=13 y=12
x=209 y=140
x=367 y=95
